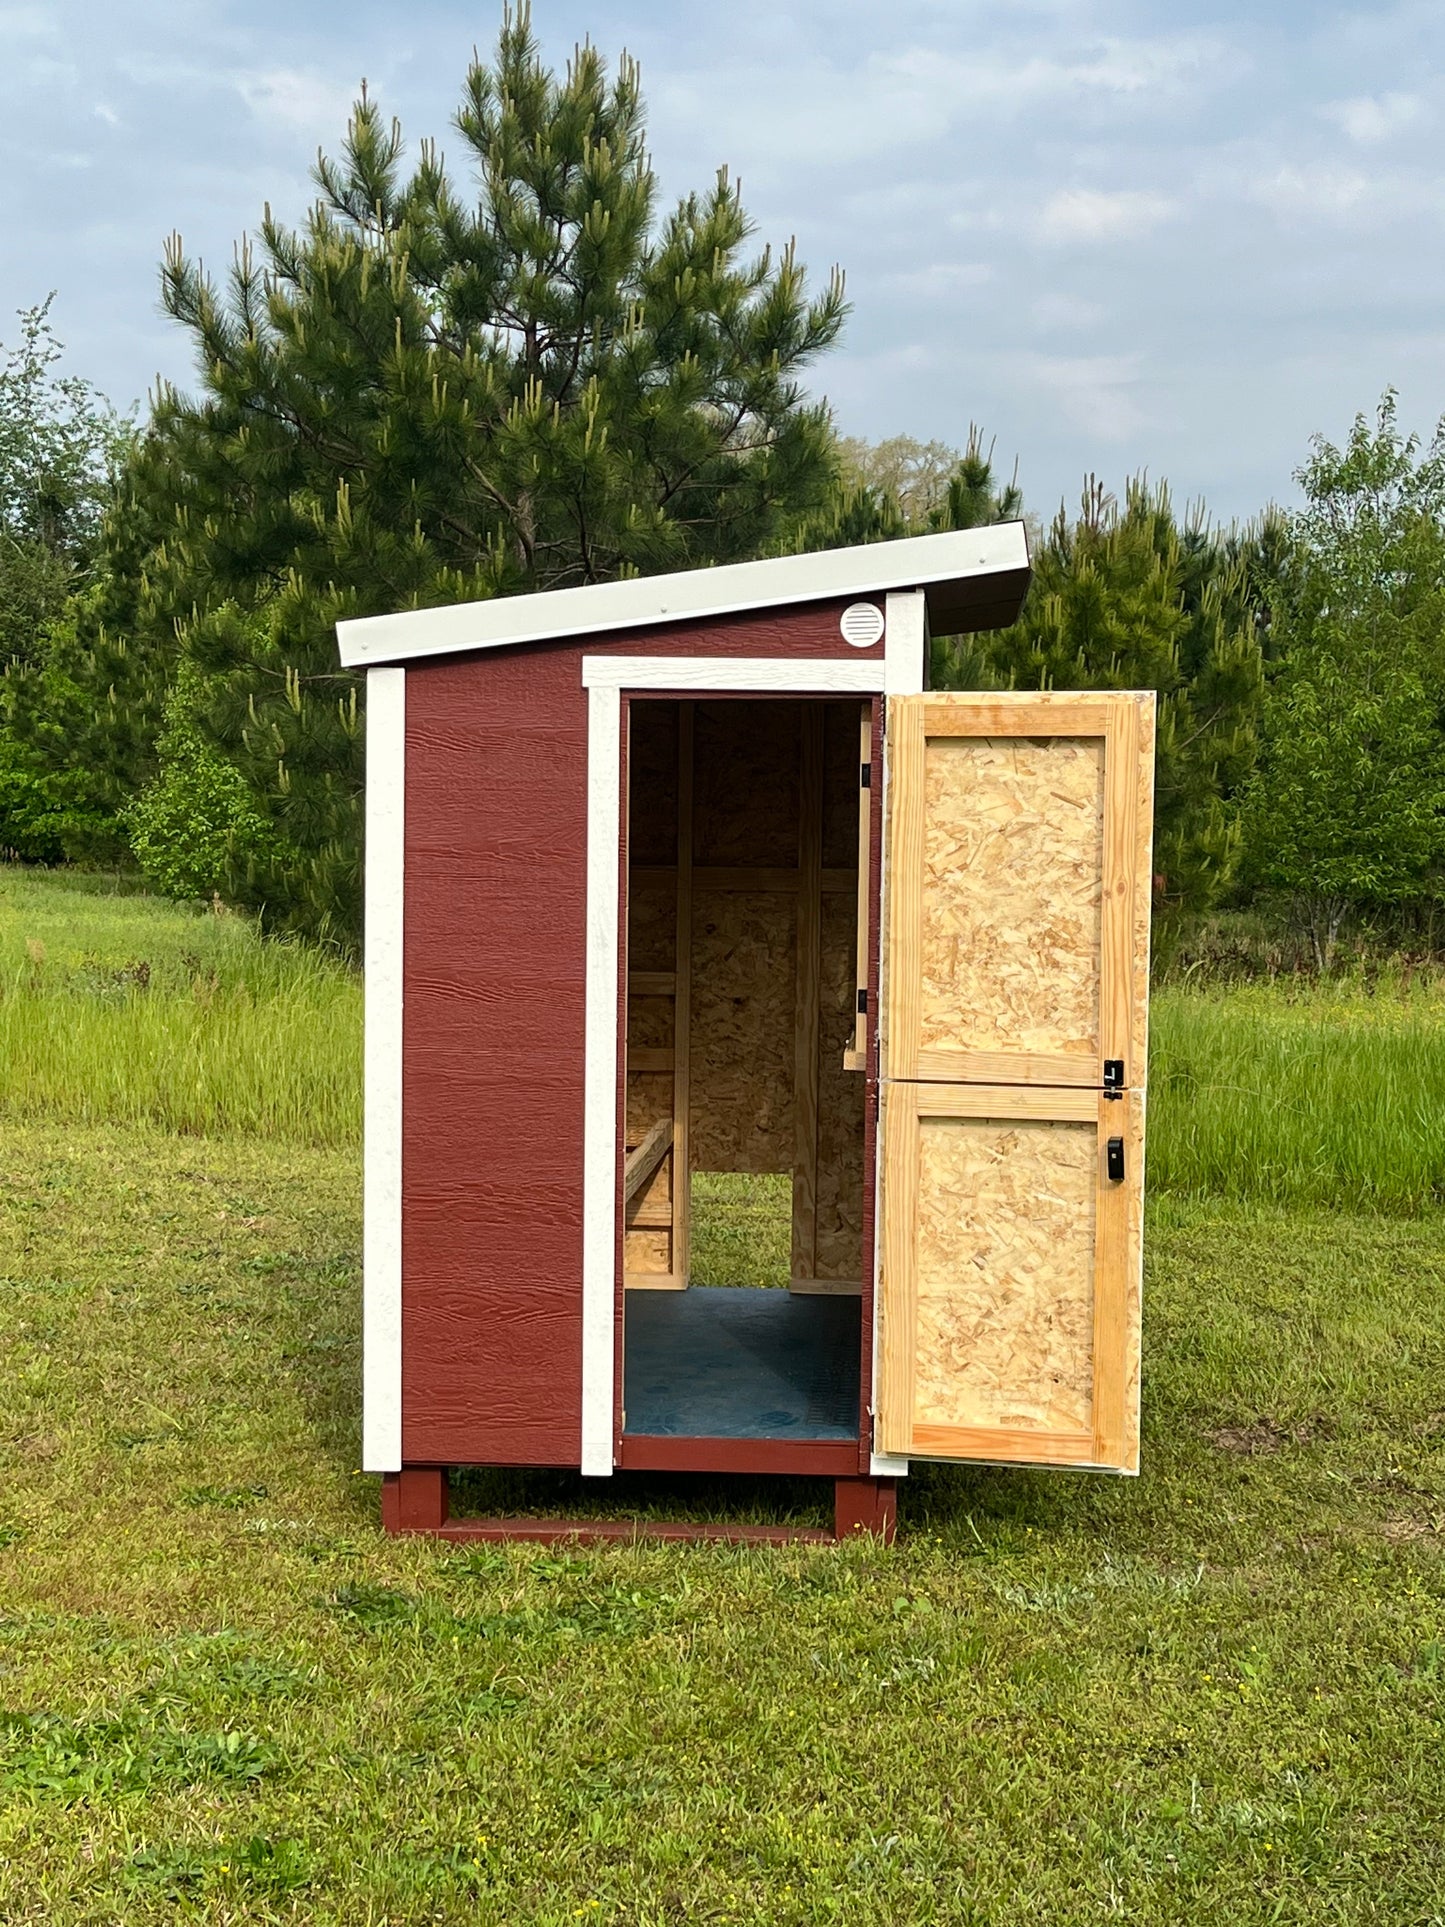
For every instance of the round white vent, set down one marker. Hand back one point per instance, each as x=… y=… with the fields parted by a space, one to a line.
x=862 y=624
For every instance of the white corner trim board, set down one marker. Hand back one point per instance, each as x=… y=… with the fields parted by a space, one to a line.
x=599 y=1126
x=381 y=1234
x=873 y=569
x=604 y=678
x=905 y=643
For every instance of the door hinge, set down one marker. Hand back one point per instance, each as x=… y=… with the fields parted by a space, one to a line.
x=865 y=776
x=862 y=1003
x=1113 y=1077
x=1114 y=1160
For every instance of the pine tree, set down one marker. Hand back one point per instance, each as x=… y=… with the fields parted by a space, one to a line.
x=420 y=397
x=971 y=496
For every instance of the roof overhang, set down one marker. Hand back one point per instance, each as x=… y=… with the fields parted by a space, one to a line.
x=973 y=579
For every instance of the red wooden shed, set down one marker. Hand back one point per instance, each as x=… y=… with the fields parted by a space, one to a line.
x=689 y=876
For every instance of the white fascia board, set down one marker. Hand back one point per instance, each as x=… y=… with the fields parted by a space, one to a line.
x=873 y=568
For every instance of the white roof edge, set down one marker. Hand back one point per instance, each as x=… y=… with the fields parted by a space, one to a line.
x=914 y=562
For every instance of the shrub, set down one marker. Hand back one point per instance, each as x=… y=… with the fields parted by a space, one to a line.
x=196 y=818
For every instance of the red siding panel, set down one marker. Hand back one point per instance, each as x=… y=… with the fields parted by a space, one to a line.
x=811 y=631
x=496 y=833
x=494 y=1033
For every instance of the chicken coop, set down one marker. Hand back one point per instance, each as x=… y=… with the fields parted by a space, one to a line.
x=698 y=928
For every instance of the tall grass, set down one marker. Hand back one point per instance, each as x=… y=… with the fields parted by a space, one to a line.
x=1316 y=1096
x=121 y=1007
x=118 y=1006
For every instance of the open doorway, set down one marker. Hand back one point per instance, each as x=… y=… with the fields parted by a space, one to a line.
x=744 y=1173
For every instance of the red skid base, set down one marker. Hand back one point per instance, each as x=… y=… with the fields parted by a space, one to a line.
x=417 y=1499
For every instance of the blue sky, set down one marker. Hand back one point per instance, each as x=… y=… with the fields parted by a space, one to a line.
x=1119 y=236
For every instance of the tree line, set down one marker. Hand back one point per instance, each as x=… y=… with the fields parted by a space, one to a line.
x=434 y=390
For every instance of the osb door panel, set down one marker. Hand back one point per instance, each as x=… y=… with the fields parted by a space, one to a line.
x=1015 y=968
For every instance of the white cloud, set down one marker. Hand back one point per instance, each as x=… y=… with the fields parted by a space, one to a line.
x=290 y=98
x=1319 y=191
x=1146 y=68
x=1064 y=314
x=107 y=114
x=941 y=280
x=1097 y=393
x=914 y=95
x=1085 y=214
x=29 y=23
x=927 y=144
x=855 y=378
x=1371 y=118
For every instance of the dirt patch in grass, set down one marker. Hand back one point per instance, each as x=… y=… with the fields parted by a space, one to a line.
x=1262 y=1437
x=1401 y=1532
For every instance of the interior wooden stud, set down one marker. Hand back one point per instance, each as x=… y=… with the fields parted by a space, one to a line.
x=808 y=974
x=682 y=1004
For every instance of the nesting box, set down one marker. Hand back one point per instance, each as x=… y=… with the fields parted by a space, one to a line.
x=754 y=1039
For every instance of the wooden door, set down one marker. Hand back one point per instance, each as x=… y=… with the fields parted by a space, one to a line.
x=1014 y=1009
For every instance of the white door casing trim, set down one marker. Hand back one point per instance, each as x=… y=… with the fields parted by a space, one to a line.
x=599 y=1127
x=899 y=671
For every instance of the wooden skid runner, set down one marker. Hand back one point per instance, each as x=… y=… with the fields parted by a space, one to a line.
x=416 y=1500
x=582 y=1532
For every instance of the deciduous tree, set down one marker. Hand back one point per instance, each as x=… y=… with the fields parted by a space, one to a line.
x=1346 y=815
x=60 y=442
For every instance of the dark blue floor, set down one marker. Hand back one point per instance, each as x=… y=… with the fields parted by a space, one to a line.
x=744 y=1363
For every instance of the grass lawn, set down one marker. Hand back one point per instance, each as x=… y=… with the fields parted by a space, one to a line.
x=1216 y=1693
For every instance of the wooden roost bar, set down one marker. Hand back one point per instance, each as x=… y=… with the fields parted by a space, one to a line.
x=680 y=883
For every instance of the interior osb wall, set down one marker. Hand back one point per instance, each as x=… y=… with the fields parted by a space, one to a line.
x=840 y=785
x=747 y=786
x=744 y=950
x=1005 y=1275
x=1011 y=894
x=651 y=945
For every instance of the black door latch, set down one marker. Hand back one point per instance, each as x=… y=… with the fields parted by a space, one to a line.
x=1113 y=1077
x=1114 y=1160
